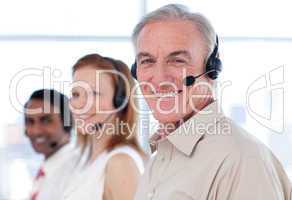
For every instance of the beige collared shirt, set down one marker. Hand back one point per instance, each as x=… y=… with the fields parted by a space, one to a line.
x=210 y=158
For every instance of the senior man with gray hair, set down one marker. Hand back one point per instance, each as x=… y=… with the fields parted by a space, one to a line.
x=201 y=154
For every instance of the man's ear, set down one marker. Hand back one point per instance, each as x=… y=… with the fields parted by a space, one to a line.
x=25 y=133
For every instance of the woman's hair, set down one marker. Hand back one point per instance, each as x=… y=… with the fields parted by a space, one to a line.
x=124 y=135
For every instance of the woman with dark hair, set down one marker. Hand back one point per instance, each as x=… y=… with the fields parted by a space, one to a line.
x=105 y=118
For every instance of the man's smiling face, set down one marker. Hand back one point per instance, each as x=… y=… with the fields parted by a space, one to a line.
x=166 y=52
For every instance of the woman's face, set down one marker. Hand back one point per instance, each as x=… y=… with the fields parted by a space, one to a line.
x=92 y=98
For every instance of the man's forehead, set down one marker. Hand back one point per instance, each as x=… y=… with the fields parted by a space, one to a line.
x=169 y=29
x=40 y=107
x=38 y=115
x=177 y=52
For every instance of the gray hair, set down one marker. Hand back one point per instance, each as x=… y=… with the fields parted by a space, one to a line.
x=179 y=12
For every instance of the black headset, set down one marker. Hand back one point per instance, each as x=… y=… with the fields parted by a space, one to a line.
x=120 y=87
x=213 y=64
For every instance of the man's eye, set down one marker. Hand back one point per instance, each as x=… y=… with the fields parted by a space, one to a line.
x=46 y=120
x=177 y=60
x=147 y=61
x=180 y=61
x=28 y=121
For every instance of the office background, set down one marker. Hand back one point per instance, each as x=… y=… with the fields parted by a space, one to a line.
x=49 y=36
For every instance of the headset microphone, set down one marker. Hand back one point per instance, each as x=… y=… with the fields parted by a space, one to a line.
x=98 y=126
x=53 y=144
x=190 y=80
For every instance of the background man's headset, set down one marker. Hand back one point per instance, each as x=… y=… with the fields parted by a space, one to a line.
x=213 y=67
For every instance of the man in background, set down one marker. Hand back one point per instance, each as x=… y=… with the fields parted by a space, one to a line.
x=48 y=123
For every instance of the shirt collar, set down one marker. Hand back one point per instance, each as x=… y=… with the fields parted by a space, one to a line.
x=189 y=133
x=54 y=160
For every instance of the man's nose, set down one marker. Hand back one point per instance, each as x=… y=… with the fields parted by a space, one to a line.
x=160 y=73
x=33 y=130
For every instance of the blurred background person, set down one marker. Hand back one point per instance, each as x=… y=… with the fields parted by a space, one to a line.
x=48 y=123
x=31 y=37
x=112 y=160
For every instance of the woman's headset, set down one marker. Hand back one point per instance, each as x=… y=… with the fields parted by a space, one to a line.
x=120 y=87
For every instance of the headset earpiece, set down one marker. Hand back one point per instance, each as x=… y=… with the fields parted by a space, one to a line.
x=120 y=93
x=134 y=70
x=215 y=69
x=214 y=64
x=119 y=98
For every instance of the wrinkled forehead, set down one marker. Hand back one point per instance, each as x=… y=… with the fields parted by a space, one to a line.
x=169 y=36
